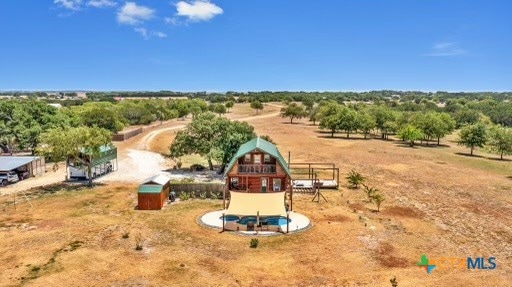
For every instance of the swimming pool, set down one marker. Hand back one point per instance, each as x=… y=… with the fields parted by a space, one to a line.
x=231 y=217
x=271 y=220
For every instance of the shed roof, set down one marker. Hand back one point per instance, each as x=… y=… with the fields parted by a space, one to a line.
x=262 y=145
x=160 y=179
x=150 y=188
x=12 y=162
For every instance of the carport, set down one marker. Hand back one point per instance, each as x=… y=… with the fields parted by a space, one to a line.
x=25 y=166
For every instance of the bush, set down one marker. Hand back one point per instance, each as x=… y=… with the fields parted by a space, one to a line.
x=254 y=243
x=370 y=192
x=215 y=195
x=184 y=196
x=126 y=234
x=202 y=195
x=354 y=179
x=197 y=167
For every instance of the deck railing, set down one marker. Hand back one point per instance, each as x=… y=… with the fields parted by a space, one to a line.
x=257 y=168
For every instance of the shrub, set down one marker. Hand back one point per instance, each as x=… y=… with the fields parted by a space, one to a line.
x=370 y=192
x=202 y=195
x=126 y=234
x=184 y=196
x=354 y=179
x=378 y=199
x=138 y=241
x=254 y=242
x=197 y=167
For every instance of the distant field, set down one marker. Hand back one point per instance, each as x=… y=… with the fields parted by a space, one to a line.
x=438 y=202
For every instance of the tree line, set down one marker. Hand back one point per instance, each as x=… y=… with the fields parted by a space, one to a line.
x=410 y=125
x=22 y=121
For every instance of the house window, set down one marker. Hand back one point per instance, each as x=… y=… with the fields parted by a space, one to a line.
x=266 y=158
x=234 y=181
x=276 y=184
x=247 y=158
x=257 y=158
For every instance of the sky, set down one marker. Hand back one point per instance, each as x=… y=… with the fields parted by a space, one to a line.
x=258 y=45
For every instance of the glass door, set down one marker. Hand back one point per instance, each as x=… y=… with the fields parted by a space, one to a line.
x=264 y=184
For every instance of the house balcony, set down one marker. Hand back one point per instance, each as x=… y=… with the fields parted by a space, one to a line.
x=256 y=168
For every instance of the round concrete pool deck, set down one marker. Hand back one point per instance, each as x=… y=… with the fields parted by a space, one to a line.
x=298 y=222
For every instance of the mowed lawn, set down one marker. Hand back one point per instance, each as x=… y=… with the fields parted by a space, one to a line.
x=438 y=202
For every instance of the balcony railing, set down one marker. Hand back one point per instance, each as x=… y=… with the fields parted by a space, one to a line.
x=257 y=168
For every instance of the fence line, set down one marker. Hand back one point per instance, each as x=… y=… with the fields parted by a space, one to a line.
x=198 y=188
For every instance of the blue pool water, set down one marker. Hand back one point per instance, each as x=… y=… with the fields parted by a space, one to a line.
x=272 y=220
x=231 y=217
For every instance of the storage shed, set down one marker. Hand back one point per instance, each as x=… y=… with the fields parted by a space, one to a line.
x=154 y=192
x=25 y=166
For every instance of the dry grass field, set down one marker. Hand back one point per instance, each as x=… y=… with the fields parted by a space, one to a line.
x=438 y=202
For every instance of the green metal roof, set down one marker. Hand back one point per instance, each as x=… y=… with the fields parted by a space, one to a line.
x=262 y=145
x=150 y=188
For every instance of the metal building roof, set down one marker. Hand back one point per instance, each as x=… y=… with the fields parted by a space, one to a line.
x=262 y=145
x=160 y=179
x=150 y=189
x=13 y=162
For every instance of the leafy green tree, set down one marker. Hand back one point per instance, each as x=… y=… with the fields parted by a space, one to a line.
x=293 y=111
x=79 y=144
x=229 y=105
x=384 y=119
x=348 y=120
x=135 y=112
x=331 y=123
x=366 y=122
x=308 y=103
x=447 y=126
x=101 y=115
x=219 y=109
x=256 y=105
x=500 y=141
x=466 y=116
x=212 y=137
x=314 y=114
x=410 y=134
x=473 y=136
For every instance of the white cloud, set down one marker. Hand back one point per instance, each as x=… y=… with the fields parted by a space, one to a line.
x=101 y=3
x=446 y=49
x=142 y=31
x=159 y=34
x=69 y=4
x=146 y=34
x=133 y=14
x=198 y=10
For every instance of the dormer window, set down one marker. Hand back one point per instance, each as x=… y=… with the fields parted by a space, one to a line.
x=257 y=158
x=247 y=158
x=266 y=158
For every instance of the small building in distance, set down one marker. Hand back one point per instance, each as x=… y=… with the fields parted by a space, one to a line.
x=24 y=166
x=153 y=192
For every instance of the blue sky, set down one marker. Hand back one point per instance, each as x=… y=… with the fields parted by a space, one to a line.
x=241 y=45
